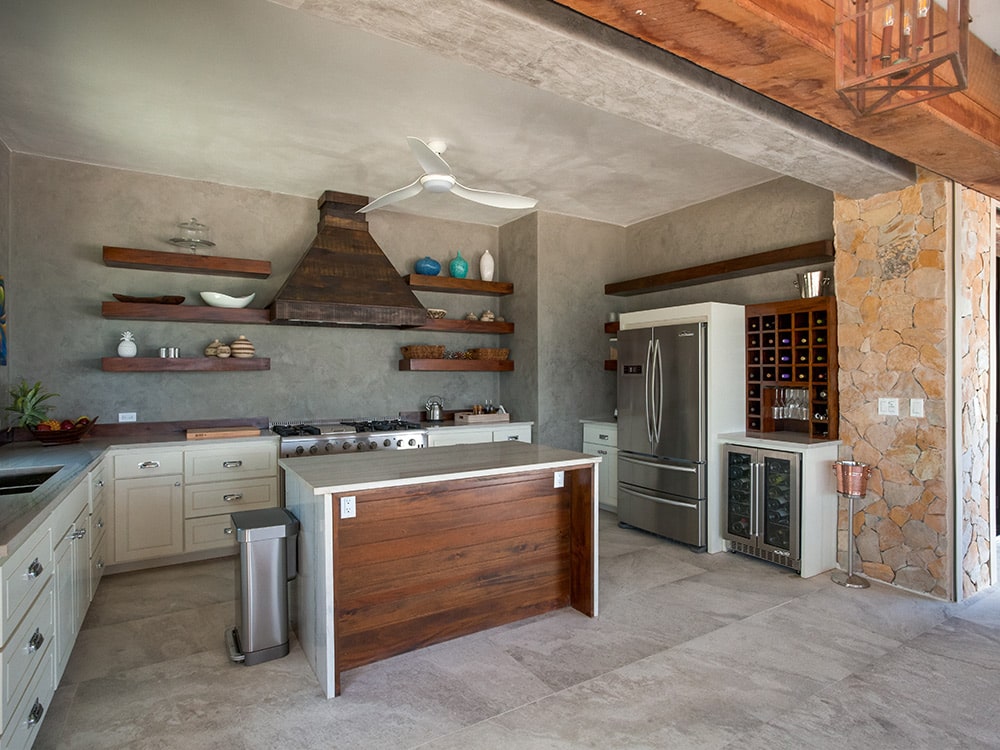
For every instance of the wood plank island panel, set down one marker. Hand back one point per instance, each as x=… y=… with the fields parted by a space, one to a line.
x=426 y=563
x=208 y=265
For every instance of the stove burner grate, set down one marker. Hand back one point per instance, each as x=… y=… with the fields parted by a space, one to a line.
x=295 y=430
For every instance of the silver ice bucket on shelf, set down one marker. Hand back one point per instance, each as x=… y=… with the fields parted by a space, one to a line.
x=811 y=283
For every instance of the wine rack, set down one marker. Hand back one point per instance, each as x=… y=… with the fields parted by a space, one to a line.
x=791 y=360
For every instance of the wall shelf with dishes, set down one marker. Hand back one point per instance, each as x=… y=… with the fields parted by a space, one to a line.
x=423 y=283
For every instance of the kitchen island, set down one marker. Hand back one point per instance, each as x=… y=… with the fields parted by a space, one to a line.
x=409 y=548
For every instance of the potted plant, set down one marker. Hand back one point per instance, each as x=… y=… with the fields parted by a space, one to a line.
x=28 y=404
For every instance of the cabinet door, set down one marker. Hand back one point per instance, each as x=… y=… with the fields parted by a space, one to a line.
x=149 y=518
x=740 y=486
x=779 y=493
x=98 y=562
x=607 y=489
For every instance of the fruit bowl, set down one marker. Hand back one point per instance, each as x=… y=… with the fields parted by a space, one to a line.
x=63 y=437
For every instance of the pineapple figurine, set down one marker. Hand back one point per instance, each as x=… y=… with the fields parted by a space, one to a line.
x=126 y=347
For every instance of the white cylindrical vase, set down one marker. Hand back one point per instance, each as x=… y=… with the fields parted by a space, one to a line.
x=486 y=266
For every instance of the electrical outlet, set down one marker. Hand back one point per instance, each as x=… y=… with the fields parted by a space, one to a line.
x=888 y=406
x=126 y=416
x=559 y=479
x=916 y=407
x=348 y=508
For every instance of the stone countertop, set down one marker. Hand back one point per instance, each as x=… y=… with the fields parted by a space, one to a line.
x=600 y=420
x=367 y=471
x=21 y=514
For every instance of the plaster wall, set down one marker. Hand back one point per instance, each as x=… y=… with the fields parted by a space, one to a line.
x=781 y=213
x=5 y=159
x=519 y=390
x=62 y=213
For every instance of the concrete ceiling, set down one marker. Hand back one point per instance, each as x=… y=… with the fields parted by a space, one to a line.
x=301 y=96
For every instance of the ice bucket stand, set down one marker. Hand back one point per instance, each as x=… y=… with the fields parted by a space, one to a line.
x=852 y=482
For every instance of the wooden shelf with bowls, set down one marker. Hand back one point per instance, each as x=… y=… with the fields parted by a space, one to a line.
x=184 y=313
x=456 y=365
x=184 y=364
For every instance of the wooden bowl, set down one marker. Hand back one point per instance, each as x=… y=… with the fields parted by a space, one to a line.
x=63 y=437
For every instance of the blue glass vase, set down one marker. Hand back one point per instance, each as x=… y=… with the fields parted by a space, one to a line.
x=427 y=266
x=458 y=266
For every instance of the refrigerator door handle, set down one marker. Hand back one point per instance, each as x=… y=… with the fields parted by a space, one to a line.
x=648 y=395
x=657 y=465
x=658 y=390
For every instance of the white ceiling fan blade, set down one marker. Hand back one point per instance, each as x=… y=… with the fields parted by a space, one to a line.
x=394 y=197
x=430 y=162
x=493 y=198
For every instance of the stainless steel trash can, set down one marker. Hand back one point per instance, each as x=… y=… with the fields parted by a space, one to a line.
x=268 y=541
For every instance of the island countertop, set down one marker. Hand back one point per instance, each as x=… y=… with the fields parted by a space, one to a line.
x=367 y=471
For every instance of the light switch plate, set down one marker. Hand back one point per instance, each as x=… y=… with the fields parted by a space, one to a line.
x=916 y=407
x=888 y=406
x=126 y=416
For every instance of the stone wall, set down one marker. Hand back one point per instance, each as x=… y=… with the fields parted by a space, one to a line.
x=893 y=330
x=975 y=306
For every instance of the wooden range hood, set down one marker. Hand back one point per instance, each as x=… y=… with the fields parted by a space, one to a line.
x=344 y=278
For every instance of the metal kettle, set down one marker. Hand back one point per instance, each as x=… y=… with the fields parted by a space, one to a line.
x=435 y=408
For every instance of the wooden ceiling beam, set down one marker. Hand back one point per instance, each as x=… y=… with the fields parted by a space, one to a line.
x=783 y=49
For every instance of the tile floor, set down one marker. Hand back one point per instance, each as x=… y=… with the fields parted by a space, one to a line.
x=690 y=651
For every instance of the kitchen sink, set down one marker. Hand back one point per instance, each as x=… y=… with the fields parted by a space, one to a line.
x=21 y=481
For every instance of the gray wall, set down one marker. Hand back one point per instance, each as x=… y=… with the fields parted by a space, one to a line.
x=5 y=159
x=62 y=213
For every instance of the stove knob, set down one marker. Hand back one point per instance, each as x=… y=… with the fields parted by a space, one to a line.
x=313 y=449
x=413 y=442
x=329 y=447
x=387 y=442
x=346 y=446
x=362 y=446
x=299 y=450
x=373 y=445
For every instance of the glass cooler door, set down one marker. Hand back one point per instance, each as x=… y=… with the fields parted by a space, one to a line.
x=779 y=503
x=739 y=493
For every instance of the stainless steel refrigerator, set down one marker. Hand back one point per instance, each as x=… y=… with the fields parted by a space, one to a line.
x=662 y=431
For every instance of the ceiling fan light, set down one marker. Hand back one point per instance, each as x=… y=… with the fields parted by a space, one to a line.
x=437 y=183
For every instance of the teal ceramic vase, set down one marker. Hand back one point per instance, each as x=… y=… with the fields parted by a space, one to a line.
x=458 y=267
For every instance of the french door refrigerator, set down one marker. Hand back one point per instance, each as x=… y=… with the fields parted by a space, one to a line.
x=662 y=431
x=763 y=497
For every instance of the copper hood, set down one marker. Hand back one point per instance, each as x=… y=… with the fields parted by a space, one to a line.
x=344 y=278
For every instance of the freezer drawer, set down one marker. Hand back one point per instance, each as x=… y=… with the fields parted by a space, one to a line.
x=677 y=518
x=668 y=477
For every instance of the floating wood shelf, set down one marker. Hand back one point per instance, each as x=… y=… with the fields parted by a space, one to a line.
x=422 y=283
x=746 y=265
x=465 y=326
x=209 y=265
x=184 y=313
x=456 y=365
x=184 y=364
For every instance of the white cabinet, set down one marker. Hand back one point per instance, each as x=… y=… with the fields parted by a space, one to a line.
x=496 y=433
x=148 y=504
x=100 y=491
x=601 y=439
x=72 y=575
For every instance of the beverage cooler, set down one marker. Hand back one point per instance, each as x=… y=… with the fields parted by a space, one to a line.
x=763 y=503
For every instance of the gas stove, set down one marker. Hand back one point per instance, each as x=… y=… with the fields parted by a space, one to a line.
x=334 y=437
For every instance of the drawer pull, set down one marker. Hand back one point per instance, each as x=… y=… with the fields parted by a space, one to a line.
x=232 y=498
x=34 y=570
x=231 y=464
x=602 y=437
x=99 y=564
x=602 y=451
x=512 y=437
x=100 y=482
x=79 y=533
x=228 y=530
x=149 y=465
x=35 y=714
x=99 y=523
x=36 y=641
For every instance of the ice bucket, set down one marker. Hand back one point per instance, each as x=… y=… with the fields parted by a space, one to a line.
x=811 y=283
x=852 y=477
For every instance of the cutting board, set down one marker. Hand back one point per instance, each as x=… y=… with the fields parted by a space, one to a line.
x=217 y=433
x=467 y=417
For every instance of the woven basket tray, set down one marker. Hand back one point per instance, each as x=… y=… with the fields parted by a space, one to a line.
x=489 y=353
x=422 y=351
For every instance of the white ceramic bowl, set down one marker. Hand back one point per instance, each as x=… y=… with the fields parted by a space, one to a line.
x=215 y=299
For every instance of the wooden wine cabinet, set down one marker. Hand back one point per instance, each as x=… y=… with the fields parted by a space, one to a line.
x=792 y=344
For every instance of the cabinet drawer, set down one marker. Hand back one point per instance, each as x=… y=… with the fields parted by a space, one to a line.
x=226 y=497
x=98 y=561
x=28 y=716
x=27 y=648
x=600 y=433
x=24 y=576
x=152 y=463
x=521 y=434
x=224 y=463
x=99 y=481
x=208 y=533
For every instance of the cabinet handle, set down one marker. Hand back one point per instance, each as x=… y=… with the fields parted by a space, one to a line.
x=36 y=641
x=512 y=437
x=231 y=464
x=602 y=437
x=228 y=530
x=602 y=451
x=99 y=523
x=99 y=564
x=35 y=714
x=100 y=482
x=149 y=465
x=34 y=570
x=232 y=498
x=80 y=534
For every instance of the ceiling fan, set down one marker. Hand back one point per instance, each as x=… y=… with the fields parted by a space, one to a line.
x=438 y=178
